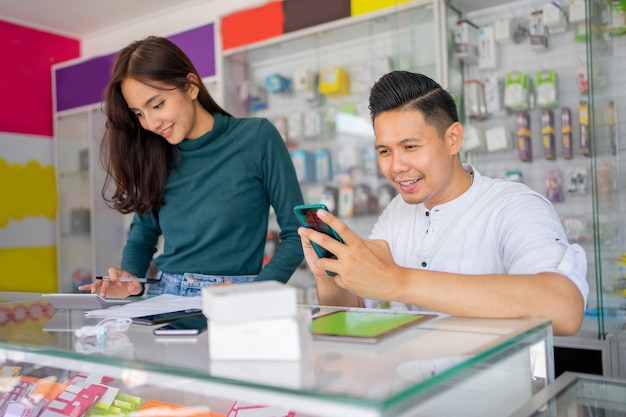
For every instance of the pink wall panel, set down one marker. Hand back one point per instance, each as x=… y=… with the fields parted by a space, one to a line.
x=25 y=77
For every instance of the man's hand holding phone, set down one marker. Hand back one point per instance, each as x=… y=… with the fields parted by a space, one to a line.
x=308 y=218
x=361 y=266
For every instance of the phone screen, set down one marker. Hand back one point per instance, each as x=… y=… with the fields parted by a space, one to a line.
x=307 y=218
x=188 y=326
x=153 y=319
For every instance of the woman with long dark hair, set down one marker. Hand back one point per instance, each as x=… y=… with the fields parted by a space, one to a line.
x=194 y=174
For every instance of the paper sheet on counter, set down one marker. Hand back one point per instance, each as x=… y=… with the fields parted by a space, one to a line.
x=155 y=305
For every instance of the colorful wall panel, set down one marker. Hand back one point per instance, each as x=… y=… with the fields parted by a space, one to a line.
x=25 y=84
x=252 y=25
x=27 y=214
x=27 y=180
x=300 y=14
x=358 y=7
x=279 y=17
x=83 y=83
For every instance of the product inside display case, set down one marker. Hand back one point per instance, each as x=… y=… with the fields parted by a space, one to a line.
x=541 y=104
x=113 y=367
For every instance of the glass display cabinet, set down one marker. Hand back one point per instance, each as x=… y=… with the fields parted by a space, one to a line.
x=578 y=395
x=443 y=366
x=90 y=235
x=606 y=52
x=313 y=84
x=574 y=74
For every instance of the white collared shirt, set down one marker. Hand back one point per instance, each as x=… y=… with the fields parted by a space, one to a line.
x=495 y=227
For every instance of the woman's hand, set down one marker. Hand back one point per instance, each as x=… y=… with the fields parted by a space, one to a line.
x=114 y=287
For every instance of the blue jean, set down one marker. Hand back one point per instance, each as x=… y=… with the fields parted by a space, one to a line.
x=190 y=285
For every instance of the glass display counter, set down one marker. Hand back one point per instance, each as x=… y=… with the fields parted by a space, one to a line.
x=578 y=395
x=443 y=366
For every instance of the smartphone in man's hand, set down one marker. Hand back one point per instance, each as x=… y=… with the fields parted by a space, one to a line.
x=307 y=217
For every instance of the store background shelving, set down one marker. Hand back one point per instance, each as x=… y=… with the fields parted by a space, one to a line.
x=600 y=204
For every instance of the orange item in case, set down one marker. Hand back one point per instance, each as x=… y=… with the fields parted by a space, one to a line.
x=160 y=408
x=45 y=388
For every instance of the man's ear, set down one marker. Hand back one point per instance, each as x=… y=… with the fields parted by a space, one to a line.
x=454 y=136
x=192 y=88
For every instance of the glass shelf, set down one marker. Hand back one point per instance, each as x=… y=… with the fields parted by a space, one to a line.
x=578 y=395
x=444 y=366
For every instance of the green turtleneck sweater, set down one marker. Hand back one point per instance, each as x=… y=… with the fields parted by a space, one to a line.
x=217 y=203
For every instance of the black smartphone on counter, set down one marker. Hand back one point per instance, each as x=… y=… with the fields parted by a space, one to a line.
x=187 y=326
x=161 y=318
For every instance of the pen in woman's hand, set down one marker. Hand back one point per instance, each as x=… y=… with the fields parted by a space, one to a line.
x=130 y=279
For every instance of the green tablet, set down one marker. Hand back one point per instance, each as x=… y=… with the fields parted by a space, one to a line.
x=363 y=326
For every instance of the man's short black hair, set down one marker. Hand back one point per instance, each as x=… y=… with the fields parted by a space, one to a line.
x=404 y=90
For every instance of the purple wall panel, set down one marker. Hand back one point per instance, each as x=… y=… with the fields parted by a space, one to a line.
x=84 y=83
x=199 y=45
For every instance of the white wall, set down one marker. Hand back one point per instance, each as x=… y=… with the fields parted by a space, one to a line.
x=186 y=18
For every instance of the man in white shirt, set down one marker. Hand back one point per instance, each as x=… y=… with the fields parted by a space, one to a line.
x=452 y=241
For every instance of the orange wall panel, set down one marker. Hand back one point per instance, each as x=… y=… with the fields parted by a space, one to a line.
x=252 y=25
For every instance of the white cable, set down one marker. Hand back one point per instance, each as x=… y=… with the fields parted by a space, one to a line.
x=105 y=337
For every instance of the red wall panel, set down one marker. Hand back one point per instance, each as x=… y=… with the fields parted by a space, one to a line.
x=252 y=25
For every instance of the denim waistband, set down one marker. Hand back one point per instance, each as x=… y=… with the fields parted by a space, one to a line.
x=191 y=284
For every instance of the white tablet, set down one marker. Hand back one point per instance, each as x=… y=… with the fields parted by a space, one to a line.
x=82 y=301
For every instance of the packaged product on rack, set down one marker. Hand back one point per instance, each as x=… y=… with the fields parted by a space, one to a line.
x=576 y=179
x=566 y=133
x=618 y=17
x=554 y=17
x=277 y=83
x=611 y=127
x=538 y=31
x=583 y=120
x=554 y=185
x=474 y=139
x=518 y=91
x=498 y=138
x=487 y=48
x=466 y=41
x=524 y=148
x=547 y=88
x=547 y=132
x=334 y=81
x=474 y=93
x=514 y=175
x=493 y=95
x=576 y=229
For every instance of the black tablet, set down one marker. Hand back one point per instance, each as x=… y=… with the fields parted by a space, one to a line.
x=363 y=326
x=153 y=319
x=187 y=326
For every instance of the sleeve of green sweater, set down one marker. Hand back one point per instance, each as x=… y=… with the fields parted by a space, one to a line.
x=141 y=244
x=284 y=193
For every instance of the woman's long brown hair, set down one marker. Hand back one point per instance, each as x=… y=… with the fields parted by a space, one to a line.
x=137 y=161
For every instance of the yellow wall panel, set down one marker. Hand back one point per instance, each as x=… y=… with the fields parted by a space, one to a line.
x=358 y=7
x=28 y=269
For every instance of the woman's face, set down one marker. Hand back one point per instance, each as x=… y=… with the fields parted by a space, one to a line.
x=167 y=111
